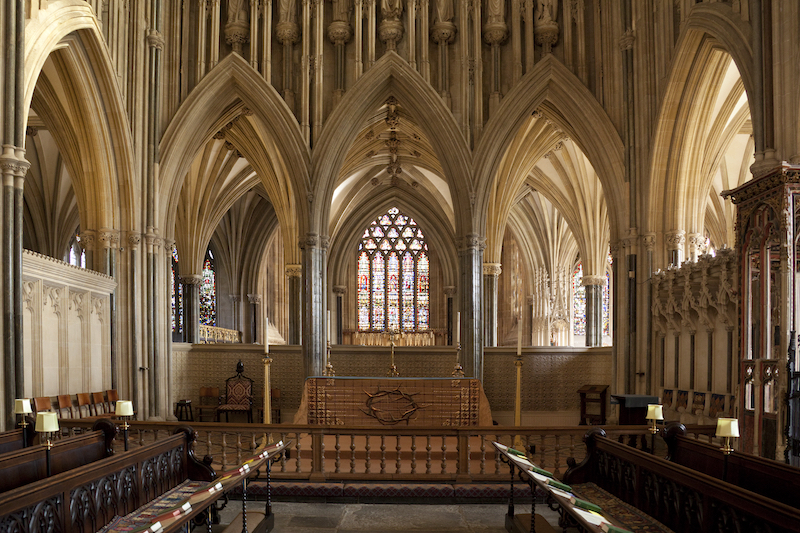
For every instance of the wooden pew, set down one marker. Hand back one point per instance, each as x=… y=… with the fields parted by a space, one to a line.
x=775 y=480
x=26 y=465
x=12 y=440
x=681 y=498
x=85 y=499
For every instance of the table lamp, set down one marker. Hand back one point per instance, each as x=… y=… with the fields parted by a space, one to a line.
x=47 y=423
x=124 y=409
x=22 y=406
x=727 y=428
x=655 y=412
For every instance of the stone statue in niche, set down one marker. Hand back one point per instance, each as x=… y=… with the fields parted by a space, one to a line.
x=546 y=11
x=238 y=11
x=392 y=9
x=341 y=9
x=287 y=11
x=495 y=11
x=443 y=11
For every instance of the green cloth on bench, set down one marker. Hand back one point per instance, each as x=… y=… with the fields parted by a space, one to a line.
x=147 y=513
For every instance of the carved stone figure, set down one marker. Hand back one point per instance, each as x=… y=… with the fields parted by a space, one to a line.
x=443 y=11
x=495 y=11
x=287 y=11
x=341 y=10
x=238 y=11
x=392 y=9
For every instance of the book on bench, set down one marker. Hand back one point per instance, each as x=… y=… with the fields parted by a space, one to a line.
x=557 y=484
x=541 y=471
x=583 y=504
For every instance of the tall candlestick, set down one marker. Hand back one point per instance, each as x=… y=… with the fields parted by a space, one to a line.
x=266 y=335
x=458 y=327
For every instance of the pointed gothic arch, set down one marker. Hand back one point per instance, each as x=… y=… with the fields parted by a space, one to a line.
x=391 y=76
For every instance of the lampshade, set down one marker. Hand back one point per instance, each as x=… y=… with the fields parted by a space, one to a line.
x=124 y=408
x=46 y=422
x=22 y=406
x=655 y=411
x=727 y=427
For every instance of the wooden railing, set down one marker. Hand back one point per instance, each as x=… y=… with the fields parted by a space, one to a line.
x=213 y=334
x=318 y=453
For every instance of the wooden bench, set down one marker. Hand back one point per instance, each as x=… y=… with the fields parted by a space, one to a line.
x=679 y=497
x=26 y=465
x=775 y=480
x=12 y=440
x=83 y=500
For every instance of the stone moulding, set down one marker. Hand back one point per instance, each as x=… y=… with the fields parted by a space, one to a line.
x=36 y=266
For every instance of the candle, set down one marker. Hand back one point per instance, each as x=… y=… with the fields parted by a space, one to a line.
x=330 y=329
x=458 y=327
x=519 y=338
x=266 y=335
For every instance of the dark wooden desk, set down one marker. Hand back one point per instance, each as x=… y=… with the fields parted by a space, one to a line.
x=593 y=394
x=633 y=408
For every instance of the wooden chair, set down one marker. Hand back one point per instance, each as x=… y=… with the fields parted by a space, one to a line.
x=65 y=407
x=111 y=400
x=209 y=401
x=238 y=395
x=99 y=403
x=42 y=403
x=85 y=405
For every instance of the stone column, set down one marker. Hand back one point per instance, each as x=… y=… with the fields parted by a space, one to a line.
x=109 y=238
x=495 y=32
x=491 y=271
x=255 y=305
x=675 y=241
x=594 y=309
x=339 y=33
x=236 y=300
x=287 y=31
x=315 y=250
x=191 y=306
x=295 y=287
x=471 y=255
x=444 y=33
x=339 y=291
x=450 y=293
x=87 y=242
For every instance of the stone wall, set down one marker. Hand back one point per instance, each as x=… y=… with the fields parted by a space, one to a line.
x=66 y=327
x=551 y=376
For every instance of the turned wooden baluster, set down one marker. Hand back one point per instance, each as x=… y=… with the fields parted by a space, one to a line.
x=297 y=453
x=413 y=454
x=383 y=454
x=428 y=457
x=483 y=454
x=444 y=454
x=338 y=459
x=397 y=463
x=352 y=453
x=367 y=462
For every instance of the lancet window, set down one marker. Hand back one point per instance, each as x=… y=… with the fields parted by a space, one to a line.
x=76 y=255
x=176 y=292
x=208 y=292
x=393 y=275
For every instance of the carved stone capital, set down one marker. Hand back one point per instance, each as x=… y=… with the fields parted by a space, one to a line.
x=593 y=280
x=235 y=298
x=675 y=239
x=492 y=269
x=443 y=32
x=339 y=290
x=287 y=32
x=192 y=279
x=649 y=241
x=109 y=238
x=254 y=298
x=155 y=40
x=627 y=40
x=449 y=291
x=390 y=32
x=88 y=238
x=237 y=34
x=494 y=33
x=134 y=239
x=294 y=270
x=697 y=243
x=473 y=241
x=339 y=32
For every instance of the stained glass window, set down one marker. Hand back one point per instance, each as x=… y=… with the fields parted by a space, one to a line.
x=176 y=291
x=578 y=302
x=393 y=275
x=208 y=292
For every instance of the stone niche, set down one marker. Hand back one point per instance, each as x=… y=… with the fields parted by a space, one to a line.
x=66 y=327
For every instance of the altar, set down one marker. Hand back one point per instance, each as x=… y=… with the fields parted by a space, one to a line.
x=380 y=401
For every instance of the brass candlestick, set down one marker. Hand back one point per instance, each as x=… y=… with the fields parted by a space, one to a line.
x=458 y=371
x=392 y=373
x=329 y=372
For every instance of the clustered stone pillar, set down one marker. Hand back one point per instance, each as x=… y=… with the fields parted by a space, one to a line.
x=315 y=249
x=255 y=306
x=294 y=274
x=339 y=33
x=450 y=293
x=594 y=309
x=491 y=271
x=443 y=33
x=675 y=241
x=471 y=255
x=339 y=291
x=287 y=31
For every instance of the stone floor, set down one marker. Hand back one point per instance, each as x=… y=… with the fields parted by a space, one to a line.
x=384 y=517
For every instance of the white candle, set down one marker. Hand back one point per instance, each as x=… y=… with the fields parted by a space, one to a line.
x=519 y=337
x=330 y=329
x=458 y=327
x=266 y=335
